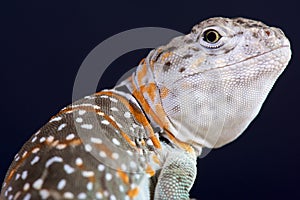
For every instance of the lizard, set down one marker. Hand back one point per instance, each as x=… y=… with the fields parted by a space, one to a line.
x=141 y=139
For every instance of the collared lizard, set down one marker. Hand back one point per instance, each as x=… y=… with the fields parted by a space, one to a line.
x=140 y=140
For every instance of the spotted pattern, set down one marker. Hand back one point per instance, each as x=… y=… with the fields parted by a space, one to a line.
x=98 y=141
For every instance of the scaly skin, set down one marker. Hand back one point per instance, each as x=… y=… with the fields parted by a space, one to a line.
x=141 y=139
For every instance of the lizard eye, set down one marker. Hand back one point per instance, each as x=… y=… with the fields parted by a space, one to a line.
x=211 y=36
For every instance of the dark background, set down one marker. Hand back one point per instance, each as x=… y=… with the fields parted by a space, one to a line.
x=44 y=43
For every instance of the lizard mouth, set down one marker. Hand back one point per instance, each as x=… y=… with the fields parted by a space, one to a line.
x=255 y=56
x=286 y=58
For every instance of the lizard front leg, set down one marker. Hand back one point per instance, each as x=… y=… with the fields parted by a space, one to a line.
x=177 y=176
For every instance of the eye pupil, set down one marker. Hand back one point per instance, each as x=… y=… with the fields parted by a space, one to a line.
x=211 y=36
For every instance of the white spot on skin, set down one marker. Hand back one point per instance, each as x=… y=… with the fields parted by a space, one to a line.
x=35 y=150
x=101 y=167
x=55 y=119
x=68 y=195
x=68 y=169
x=81 y=196
x=89 y=97
x=105 y=122
x=38 y=132
x=112 y=118
x=61 y=146
x=89 y=186
x=79 y=120
x=108 y=176
x=53 y=160
x=114 y=109
x=100 y=113
x=61 y=127
x=87 y=126
x=33 y=139
x=61 y=184
x=17 y=158
x=104 y=96
x=27 y=196
x=129 y=152
x=115 y=155
x=134 y=125
x=50 y=139
x=35 y=160
x=115 y=141
x=78 y=161
x=105 y=192
x=132 y=164
x=24 y=175
x=123 y=167
x=126 y=197
x=38 y=184
x=88 y=174
x=121 y=188
x=149 y=142
x=137 y=176
x=113 y=99
x=113 y=197
x=26 y=187
x=96 y=140
x=99 y=195
x=17 y=176
x=102 y=154
x=70 y=136
x=81 y=112
x=44 y=194
x=24 y=154
x=88 y=148
x=127 y=115
x=119 y=125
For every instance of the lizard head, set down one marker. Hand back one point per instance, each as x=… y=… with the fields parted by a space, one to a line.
x=213 y=81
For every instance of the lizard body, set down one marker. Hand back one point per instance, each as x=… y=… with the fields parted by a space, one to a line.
x=140 y=140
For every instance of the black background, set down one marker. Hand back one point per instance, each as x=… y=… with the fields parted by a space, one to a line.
x=43 y=44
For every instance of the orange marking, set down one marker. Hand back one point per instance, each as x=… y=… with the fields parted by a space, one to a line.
x=183 y=145
x=11 y=173
x=160 y=120
x=161 y=112
x=55 y=143
x=166 y=55
x=143 y=142
x=75 y=142
x=132 y=193
x=150 y=171
x=124 y=135
x=124 y=177
x=164 y=92
x=139 y=116
x=142 y=61
x=155 y=159
x=150 y=90
x=155 y=141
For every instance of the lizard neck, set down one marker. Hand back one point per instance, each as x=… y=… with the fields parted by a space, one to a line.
x=141 y=84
